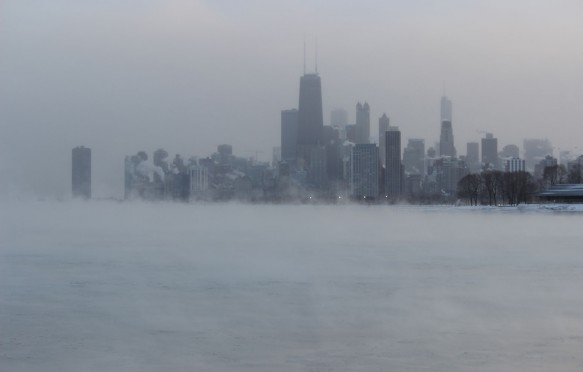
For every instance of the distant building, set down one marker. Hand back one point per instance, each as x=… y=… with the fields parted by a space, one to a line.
x=446 y=109
x=276 y=156
x=310 y=116
x=383 y=127
x=362 y=123
x=289 y=135
x=339 y=118
x=364 y=182
x=312 y=160
x=515 y=165
x=81 y=172
x=547 y=162
x=446 y=143
x=473 y=157
x=414 y=157
x=448 y=172
x=536 y=150
x=393 y=167
x=510 y=151
x=490 y=152
x=199 y=181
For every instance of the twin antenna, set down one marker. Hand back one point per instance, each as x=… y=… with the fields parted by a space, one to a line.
x=315 y=55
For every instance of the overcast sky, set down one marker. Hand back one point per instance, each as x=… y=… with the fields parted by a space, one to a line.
x=186 y=75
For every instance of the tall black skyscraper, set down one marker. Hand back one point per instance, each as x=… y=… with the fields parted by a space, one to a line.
x=81 y=172
x=310 y=116
x=311 y=150
x=393 y=172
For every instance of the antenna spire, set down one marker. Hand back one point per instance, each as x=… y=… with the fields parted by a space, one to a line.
x=304 y=54
x=316 y=58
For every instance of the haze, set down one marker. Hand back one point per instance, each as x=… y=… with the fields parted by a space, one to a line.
x=121 y=77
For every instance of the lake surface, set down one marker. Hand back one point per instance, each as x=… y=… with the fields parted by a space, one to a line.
x=106 y=286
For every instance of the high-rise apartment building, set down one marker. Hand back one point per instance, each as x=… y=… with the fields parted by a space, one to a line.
x=414 y=156
x=473 y=157
x=289 y=135
x=384 y=123
x=515 y=165
x=81 y=172
x=490 y=152
x=362 y=123
x=393 y=172
x=364 y=182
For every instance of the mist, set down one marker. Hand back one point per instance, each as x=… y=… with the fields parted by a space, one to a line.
x=189 y=75
x=158 y=286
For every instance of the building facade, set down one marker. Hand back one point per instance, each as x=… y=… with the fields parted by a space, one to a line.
x=364 y=183
x=81 y=172
x=393 y=168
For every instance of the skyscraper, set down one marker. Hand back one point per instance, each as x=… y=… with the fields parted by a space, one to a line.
x=364 y=181
x=446 y=109
x=81 y=172
x=414 y=157
x=289 y=135
x=383 y=127
x=446 y=145
x=393 y=162
x=490 y=151
x=311 y=152
x=473 y=156
x=362 y=123
x=310 y=117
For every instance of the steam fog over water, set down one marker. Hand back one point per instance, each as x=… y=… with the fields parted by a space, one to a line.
x=165 y=287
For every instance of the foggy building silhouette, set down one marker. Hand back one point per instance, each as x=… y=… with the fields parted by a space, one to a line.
x=446 y=109
x=81 y=172
x=362 y=123
x=289 y=135
x=384 y=123
x=473 y=156
x=393 y=172
x=364 y=181
x=446 y=144
x=311 y=152
x=414 y=157
x=490 y=151
x=310 y=117
x=535 y=150
x=339 y=118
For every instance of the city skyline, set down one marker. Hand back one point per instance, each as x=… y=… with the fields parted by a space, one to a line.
x=190 y=75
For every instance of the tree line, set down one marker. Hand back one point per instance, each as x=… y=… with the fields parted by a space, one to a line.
x=494 y=187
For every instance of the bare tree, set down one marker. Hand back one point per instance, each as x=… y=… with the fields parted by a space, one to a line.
x=492 y=180
x=469 y=188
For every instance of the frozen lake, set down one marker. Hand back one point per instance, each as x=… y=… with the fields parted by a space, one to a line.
x=168 y=287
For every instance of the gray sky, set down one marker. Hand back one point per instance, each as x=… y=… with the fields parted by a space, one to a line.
x=186 y=75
